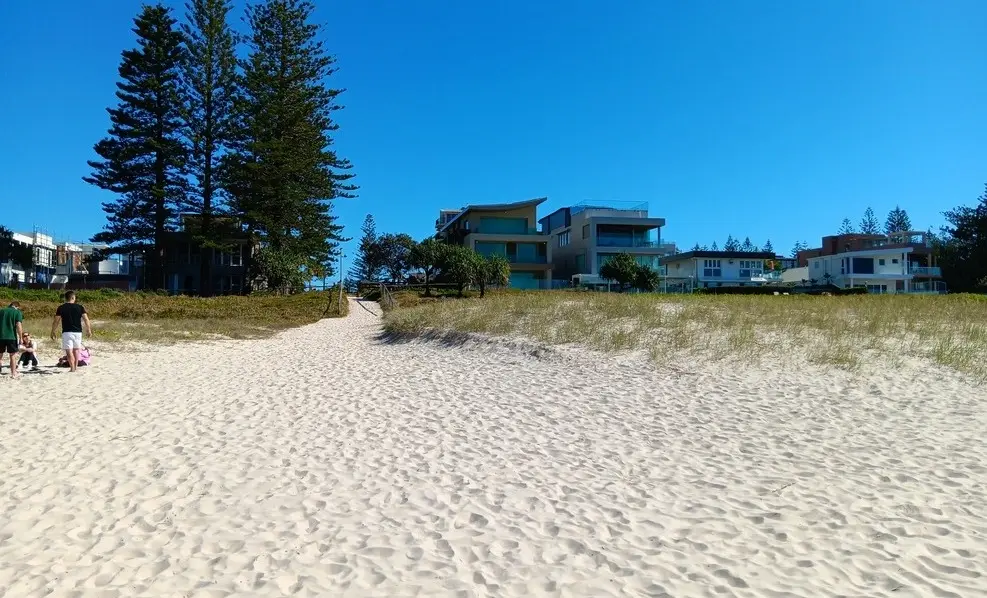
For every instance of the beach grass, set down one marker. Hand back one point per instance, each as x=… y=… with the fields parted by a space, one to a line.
x=845 y=332
x=144 y=317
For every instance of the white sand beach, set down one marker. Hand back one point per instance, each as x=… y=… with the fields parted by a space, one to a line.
x=325 y=462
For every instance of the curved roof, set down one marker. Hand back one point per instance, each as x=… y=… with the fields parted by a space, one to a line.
x=497 y=207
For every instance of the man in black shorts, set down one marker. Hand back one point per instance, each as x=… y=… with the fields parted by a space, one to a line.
x=11 y=330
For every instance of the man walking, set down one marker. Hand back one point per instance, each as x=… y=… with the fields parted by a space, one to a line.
x=72 y=316
x=11 y=330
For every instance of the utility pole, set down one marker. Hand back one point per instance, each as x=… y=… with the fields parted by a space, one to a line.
x=340 y=283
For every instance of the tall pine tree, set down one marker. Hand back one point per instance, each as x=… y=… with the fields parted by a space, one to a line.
x=846 y=227
x=211 y=87
x=367 y=265
x=768 y=247
x=897 y=221
x=285 y=173
x=143 y=158
x=731 y=244
x=869 y=224
x=747 y=246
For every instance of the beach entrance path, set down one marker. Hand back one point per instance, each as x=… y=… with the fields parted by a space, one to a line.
x=332 y=463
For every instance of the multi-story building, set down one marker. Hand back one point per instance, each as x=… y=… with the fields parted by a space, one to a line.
x=508 y=229
x=36 y=263
x=704 y=269
x=902 y=262
x=183 y=259
x=585 y=236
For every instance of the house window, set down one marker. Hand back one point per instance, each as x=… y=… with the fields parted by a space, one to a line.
x=880 y=262
x=711 y=269
x=585 y=231
x=236 y=256
x=563 y=239
x=894 y=261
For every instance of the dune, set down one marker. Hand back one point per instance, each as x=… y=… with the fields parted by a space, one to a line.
x=329 y=461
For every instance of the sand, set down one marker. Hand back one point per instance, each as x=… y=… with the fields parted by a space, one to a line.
x=326 y=462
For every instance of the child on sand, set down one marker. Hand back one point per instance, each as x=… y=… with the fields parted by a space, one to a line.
x=29 y=352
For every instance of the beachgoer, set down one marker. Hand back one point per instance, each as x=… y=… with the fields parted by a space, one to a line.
x=29 y=352
x=73 y=317
x=11 y=330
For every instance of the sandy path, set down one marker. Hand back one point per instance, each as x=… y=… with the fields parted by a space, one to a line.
x=359 y=468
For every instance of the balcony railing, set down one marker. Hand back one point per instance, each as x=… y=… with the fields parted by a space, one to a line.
x=530 y=231
x=604 y=242
x=925 y=270
x=537 y=259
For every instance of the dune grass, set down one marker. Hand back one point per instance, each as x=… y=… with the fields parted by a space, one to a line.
x=141 y=317
x=843 y=332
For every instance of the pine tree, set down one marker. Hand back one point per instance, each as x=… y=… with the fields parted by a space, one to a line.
x=142 y=159
x=846 y=227
x=747 y=246
x=211 y=88
x=697 y=247
x=869 y=225
x=768 y=247
x=799 y=246
x=897 y=221
x=368 y=264
x=284 y=172
x=731 y=244
x=714 y=247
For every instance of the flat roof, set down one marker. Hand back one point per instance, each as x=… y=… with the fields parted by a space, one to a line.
x=496 y=207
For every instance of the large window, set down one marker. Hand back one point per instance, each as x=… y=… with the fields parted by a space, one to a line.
x=751 y=268
x=563 y=239
x=712 y=269
x=863 y=265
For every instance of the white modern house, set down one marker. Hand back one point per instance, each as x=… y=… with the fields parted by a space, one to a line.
x=709 y=269
x=882 y=270
x=585 y=236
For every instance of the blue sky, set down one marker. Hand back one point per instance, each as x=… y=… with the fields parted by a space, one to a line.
x=773 y=119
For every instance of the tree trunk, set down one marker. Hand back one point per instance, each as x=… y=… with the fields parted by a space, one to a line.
x=428 y=289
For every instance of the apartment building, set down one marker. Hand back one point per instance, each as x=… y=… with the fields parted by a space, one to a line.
x=585 y=236
x=508 y=229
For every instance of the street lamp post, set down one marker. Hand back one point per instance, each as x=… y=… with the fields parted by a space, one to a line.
x=340 y=283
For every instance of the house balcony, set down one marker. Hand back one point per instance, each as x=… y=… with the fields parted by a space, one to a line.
x=483 y=231
x=527 y=259
x=925 y=270
x=618 y=242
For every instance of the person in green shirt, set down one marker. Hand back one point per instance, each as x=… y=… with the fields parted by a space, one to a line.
x=10 y=333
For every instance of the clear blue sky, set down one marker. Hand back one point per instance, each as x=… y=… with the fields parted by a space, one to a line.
x=774 y=119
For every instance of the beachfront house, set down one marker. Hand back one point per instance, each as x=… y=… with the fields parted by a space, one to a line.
x=507 y=229
x=710 y=269
x=29 y=260
x=898 y=263
x=183 y=258
x=586 y=235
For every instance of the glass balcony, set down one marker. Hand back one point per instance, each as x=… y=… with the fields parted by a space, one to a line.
x=527 y=259
x=925 y=270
